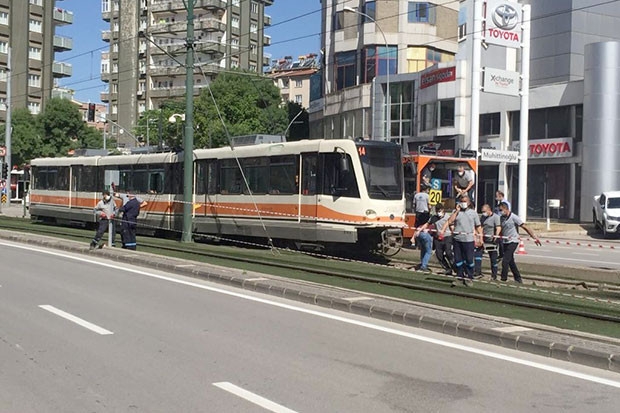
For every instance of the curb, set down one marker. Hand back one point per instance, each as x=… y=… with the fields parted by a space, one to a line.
x=414 y=318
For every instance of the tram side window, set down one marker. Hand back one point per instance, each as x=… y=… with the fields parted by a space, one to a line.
x=174 y=181
x=283 y=177
x=156 y=182
x=85 y=178
x=124 y=181
x=62 y=178
x=338 y=178
x=310 y=168
x=230 y=177
x=206 y=177
x=256 y=172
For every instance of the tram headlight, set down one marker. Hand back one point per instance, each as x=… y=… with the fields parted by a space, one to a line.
x=371 y=213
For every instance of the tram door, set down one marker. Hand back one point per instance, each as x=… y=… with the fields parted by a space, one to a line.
x=75 y=173
x=308 y=195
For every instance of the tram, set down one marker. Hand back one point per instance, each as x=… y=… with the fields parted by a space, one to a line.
x=313 y=194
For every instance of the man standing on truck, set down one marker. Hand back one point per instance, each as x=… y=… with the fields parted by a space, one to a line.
x=464 y=182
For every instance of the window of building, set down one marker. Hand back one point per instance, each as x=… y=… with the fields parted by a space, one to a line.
x=252 y=67
x=114 y=109
x=401 y=109
x=420 y=58
x=490 y=124
x=379 y=61
x=299 y=83
x=37 y=2
x=446 y=113
x=234 y=22
x=4 y=18
x=141 y=107
x=34 y=107
x=370 y=9
x=105 y=6
x=236 y=2
x=339 y=20
x=34 y=80
x=254 y=7
x=35 y=25
x=3 y=104
x=252 y=48
x=3 y=75
x=234 y=42
x=34 y=53
x=253 y=27
x=286 y=82
x=299 y=99
x=4 y=47
x=421 y=12
x=234 y=62
x=346 y=69
x=428 y=116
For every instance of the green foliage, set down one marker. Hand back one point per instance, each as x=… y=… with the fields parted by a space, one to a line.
x=299 y=121
x=62 y=124
x=171 y=133
x=248 y=104
x=26 y=138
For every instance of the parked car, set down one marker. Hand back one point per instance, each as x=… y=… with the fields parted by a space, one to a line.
x=606 y=212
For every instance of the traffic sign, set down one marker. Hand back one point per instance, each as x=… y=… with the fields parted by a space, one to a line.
x=434 y=197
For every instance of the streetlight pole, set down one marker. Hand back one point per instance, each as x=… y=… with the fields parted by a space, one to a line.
x=388 y=114
x=188 y=138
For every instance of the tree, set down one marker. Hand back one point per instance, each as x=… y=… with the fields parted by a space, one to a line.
x=171 y=133
x=90 y=138
x=299 y=122
x=248 y=104
x=62 y=124
x=26 y=138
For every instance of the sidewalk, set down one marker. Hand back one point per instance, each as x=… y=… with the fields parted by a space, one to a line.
x=14 y=210
x=581 y=348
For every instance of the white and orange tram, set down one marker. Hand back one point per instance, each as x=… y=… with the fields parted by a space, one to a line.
x=313 y=193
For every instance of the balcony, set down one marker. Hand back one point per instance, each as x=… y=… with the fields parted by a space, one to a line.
x=105 y=77
x=62 y=69
x=266 y=40
x=267 y=20
x=62 y=44
x=106 y=35
x=173 y=71
x=202 y=25
x=216 y=49
x=62 y=17
x=177 y=6
x=172 y=92
x=105 y=97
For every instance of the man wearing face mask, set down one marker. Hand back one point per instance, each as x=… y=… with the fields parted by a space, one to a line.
x=427 y=174
x=463 y=182
x=510 y=238
x=442 y=244
x=491 y=228
x=105 y=210
x=467 y=234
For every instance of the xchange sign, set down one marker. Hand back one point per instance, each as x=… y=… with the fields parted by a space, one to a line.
x=505 y=17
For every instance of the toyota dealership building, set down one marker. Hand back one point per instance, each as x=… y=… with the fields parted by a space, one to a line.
x=574 y=104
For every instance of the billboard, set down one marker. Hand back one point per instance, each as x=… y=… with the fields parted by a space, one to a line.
x=503 y=23
x=499 y=81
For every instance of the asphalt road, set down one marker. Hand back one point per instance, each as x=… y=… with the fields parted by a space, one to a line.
x=80 y=335
x=598 y=255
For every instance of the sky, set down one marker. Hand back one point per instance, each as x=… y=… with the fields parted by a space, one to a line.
x=295 y=31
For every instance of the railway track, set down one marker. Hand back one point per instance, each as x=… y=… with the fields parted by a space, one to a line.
x=593 y=305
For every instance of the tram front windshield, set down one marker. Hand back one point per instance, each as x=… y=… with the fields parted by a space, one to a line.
x=382 y=171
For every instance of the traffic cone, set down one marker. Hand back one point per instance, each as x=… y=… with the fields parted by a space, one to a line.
x=521 y=250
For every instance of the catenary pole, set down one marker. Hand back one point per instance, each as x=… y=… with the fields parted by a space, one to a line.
x=9 y=127
x=188 y=137
x=524 y=112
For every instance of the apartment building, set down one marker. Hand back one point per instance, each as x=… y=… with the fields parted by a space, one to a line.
x=144 y=65
x=292 y=77
x=28 y=31
x=363 y=40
